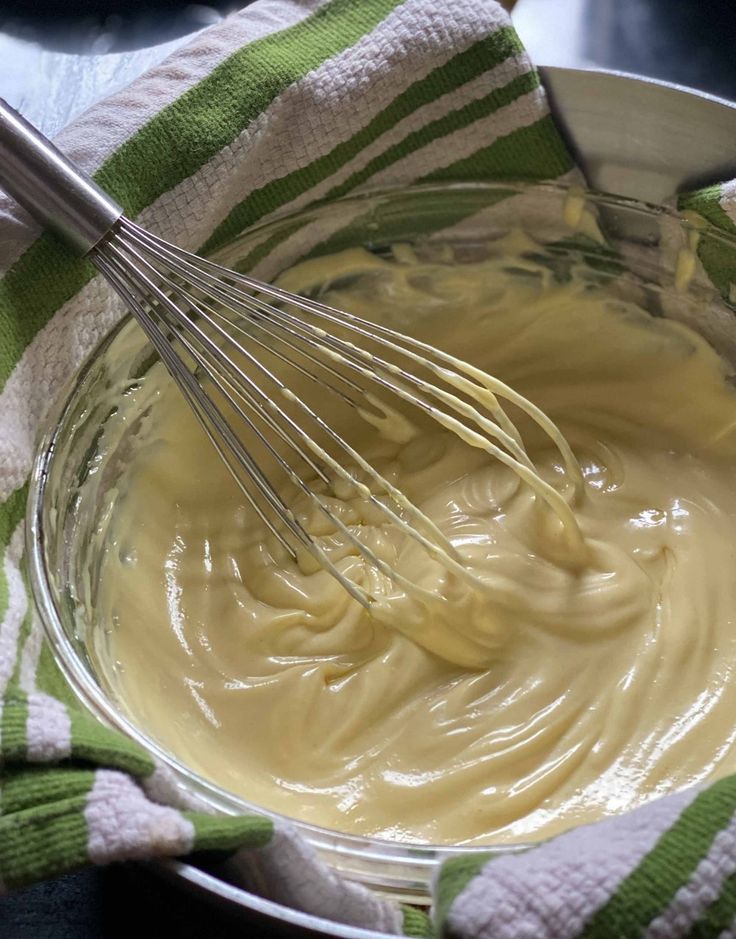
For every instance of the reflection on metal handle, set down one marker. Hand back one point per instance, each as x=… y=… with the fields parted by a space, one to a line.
x=57 y=193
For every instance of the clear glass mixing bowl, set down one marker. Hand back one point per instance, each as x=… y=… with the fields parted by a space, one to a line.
x=647 y=255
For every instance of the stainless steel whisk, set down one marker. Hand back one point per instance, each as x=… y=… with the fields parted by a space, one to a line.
x=229 y=342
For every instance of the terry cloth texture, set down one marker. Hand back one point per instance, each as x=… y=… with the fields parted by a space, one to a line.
x=715 y=205
x=279 y=106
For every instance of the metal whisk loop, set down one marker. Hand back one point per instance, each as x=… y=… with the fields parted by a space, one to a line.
x=484 y=389
x=225 y=334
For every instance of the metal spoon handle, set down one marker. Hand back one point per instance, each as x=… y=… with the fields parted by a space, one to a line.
x=56 y=192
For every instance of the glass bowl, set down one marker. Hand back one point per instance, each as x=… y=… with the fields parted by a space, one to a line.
x=647 y=255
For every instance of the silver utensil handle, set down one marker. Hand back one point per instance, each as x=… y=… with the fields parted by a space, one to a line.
x=56 y=192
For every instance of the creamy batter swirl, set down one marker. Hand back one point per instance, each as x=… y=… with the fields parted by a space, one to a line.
x=564 y=694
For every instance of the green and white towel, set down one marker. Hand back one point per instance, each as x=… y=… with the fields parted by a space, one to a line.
x=716 y=205
x=286 y=103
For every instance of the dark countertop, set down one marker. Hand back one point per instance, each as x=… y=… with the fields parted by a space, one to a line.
x=122 y=901
x=57 y=58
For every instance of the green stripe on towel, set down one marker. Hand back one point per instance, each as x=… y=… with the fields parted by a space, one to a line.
x=43 y=841
x=650 y=887
x=717 y=257
x=487 y=53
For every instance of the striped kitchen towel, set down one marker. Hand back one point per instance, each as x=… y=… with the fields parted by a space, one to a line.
x=664 y=871
x=281 y=105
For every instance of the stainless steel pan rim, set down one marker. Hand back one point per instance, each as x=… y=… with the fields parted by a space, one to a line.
x=234 y=897
x=551 y=71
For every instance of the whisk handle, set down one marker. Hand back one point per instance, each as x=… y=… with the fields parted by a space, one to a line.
x=56 y=192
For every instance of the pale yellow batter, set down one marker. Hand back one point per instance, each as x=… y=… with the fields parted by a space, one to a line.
x=566 y=694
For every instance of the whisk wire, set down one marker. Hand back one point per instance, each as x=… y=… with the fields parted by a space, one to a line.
x=209 y=275
x=227 y=325
x=226 y=362
x=149 y=288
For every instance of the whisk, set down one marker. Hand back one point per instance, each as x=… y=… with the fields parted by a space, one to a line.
x=233 y=344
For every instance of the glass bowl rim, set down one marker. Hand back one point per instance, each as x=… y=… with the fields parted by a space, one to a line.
x=66 y=657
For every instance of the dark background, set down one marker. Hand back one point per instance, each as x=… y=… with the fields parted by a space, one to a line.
x=59 y=56
x=126 y=900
